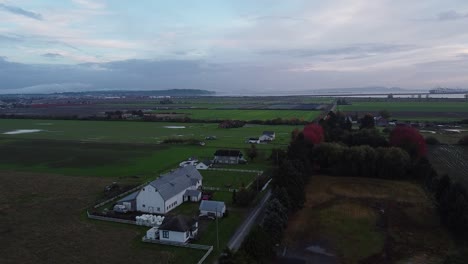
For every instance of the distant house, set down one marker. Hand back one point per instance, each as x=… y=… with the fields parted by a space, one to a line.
x=380 y=121
x=167 y=192
x=178 y=229
x=212 y=208
x=268 y=136
x=204 y=165
x=253 y=141
x=228 y=156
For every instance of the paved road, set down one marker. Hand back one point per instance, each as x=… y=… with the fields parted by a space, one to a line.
x=236 y=240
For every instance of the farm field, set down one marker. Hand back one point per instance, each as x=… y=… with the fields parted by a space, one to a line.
x=88 y=148
x=406 y=106
x=344 y=216
x=210 y=114
x=140 y=132
x=413 y=111
x=36 y=218
x=451 y=160
x=120 y=149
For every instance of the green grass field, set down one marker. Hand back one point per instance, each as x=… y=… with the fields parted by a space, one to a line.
x=120 y=149
x=406 y=106
x=227 y=179
x=141 y=132
x=210 y=114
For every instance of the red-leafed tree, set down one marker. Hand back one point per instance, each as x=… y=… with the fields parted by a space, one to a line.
x=409 y=139
x=314 y=133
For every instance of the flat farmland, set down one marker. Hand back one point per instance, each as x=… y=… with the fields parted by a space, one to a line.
x=120 y=149
x=138 y=132
x=237 y=114
x=406 y=106
x=413 y=111
x=44 y=223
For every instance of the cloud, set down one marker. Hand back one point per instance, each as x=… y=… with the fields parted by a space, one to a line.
x=7 y=38
x=452 y=15
x=90 y=4
x=351 y=51
x=19 y=11
x=52 y=55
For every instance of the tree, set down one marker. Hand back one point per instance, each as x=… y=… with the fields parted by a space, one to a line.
x=463 y=141
x=367 y=122
x=409 y=139
x=258 y=245
x=393 y=163
x=252 y=152
x=234 y=196
x=314 y=133
x=385 y=114
x=432 y=141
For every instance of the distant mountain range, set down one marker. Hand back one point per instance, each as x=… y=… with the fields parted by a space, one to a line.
x=120 y=93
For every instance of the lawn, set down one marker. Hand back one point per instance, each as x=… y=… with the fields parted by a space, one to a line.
x=237 y=114
x=406 y=106
x=344 y=215
x=227 y=179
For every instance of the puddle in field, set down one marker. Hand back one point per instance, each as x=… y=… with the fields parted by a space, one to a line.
x=175 y=127
x=22 y=131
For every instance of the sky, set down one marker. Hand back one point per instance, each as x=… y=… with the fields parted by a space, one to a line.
x=237 y=47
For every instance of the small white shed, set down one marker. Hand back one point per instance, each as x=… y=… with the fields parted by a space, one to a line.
x=212 y=208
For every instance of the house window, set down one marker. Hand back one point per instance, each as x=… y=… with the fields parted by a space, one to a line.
x=159 y=209
x=144 y=206
x=165 y=234
x=143 y=189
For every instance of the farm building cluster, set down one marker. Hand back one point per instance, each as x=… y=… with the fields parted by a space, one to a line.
x=162 y=195
x=266 y=137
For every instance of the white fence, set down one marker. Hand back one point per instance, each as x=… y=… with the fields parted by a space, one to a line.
x=238 y=170
x=209 y=188
x=120 y=195
x=178 y=244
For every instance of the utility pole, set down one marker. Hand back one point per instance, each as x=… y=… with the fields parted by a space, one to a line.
x=217 y=231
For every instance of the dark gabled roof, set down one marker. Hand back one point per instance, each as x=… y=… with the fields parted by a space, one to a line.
x=129 y=197
x=228 y=153
x=269 y=133
x=174 y=182
x=253 y=138
x=179 y=223
x=212 y=206
x=192 y=193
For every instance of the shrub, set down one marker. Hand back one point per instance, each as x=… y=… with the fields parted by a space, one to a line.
x=463 y=141
x=432 y=141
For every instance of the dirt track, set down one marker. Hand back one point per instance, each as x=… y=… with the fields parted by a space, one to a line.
x=42 y=221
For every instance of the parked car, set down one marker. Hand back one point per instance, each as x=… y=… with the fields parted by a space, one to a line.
x=118 y=208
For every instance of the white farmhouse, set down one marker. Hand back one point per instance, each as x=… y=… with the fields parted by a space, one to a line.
x=267 y=136
x=167 y=192
x=178 y=229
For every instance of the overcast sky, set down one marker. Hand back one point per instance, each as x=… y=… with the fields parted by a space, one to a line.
x=239 y=45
